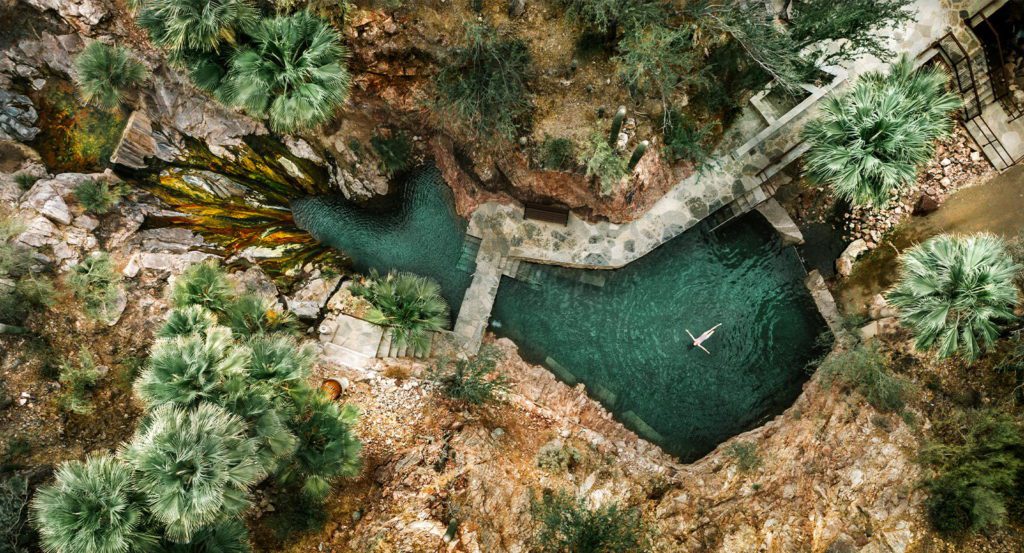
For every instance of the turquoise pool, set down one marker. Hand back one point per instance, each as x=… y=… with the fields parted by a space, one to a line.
x=622 y=332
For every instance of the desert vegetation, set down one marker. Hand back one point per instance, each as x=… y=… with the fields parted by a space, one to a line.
x=106 y=74
x=410 y=305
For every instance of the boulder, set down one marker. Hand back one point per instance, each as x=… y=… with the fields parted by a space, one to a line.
x=17 y=117
x=312 y=296
x=172 y=263
x=45 y=198
x=844 y=265
x=925 y=205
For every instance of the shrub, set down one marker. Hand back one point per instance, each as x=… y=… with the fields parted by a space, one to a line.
x=252 y=314
x=77 y=381
x=97 y=196
x=14 y=496
x=863 y=370
x=684 y=140
x=557 y=457
x=607 y=16
x=395 y=152
x=745 y=454
x=489 y=98
x=186 y=321
x=25 y=180
x=327 y=449
x=183 y=26
x=869 y=142
x=229 y=536
x=473 y=380
x=190 y=369
x=976 y=474
x=566 y=524
x=28 y=294
x=953 y=290
x=410 y=305
x=280 y=361
x=557 y=154
x=293 y=71
x=604 y=164
x=193 y=466
x=106 y=73
x=659 y=61
x=203 y=284
x=96 y=284
x=90 y=508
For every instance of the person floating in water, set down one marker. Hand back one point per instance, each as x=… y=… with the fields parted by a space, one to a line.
x=700 y=339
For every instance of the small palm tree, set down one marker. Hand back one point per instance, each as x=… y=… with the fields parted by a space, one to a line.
x=252 y=314
x=194 y=467
x=953 y=290
x=230 y=536
x=293 y=71
x=186 y=321
x=202 y=284
x=190 y=369
x=90 y=508
x=106 y=73
x=184 y=26
x=410 y=304
x=868 y=143
x=279 y=360
x=327 y=447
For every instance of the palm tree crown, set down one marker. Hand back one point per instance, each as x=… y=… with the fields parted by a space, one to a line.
x=106 y=73
x=868 y=143
x=293 y=72
x=410 y=304
x=953 y=289
x=189 y=369
x=184 y=26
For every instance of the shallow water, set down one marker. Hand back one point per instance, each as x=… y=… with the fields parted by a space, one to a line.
x=622 y=332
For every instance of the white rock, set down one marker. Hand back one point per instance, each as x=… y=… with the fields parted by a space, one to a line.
x=844 y=265
x=45 y=198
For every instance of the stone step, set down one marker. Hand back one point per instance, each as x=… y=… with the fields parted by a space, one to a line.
x=345 y=357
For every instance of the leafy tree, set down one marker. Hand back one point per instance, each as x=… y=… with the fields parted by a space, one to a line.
x=868 y=143
x=482 y=84
x=838 y=33
x=252 y=314
x=186 y=321
x=203 y=284
x=659 y=60
x=327 y=448
x=190 y=369
x=184 y=26
x=90 y=507
x=292 y=71
x=97 y=196
x=604 y=164
x=975 y=474
x=607 y=16
x=410 y=305
x=96 y=284
x=472 y=380
x=77 y=380
x=953 y=290
x=194 y=467
x=106 y=73
x=566 y=524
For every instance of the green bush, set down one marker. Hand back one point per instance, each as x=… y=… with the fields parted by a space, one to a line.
x=863 y=370
x=488 y=98
x=745 y=454
x=659 y=61
x=190 y=369
x=97 y=196
x=566 y=524
x=90 y=507
x=77 y=380
x=473 y=380
x=607 y=16
x=203 y=284
x=869 y=142
x=953 y=291
x=106 y=73
x=327 y=448
x=25 y=180
x=557 y=154
x=557 y=457
x=14 y=495
x=252 y=314
x=684 y=139
x=410 y=305
x=29 y=293
x=976 y=475
x=604 y=164
x=292 y=70
x=279 y=360
x=96 y=284
x=395 y=152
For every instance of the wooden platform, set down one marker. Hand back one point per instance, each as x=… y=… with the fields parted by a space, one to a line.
x=545 y=212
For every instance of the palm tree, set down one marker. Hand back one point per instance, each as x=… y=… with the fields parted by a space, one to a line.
x=90 y=508
x=194 y=467
x=279 y=360
x=868 y=143
x=189 y=369
x=410 y=304
x=184 y=26
x=186 y=321
x=252 y=314
x=327 y=447
x=106 y=73
x=230 y=536
x=293 y=71
x=202 y=284
x=952 y=290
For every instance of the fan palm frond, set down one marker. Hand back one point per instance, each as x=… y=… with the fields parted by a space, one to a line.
x=189 y=369
x=186 y=321
x=327 y=447
x=203 y=284
x=252 y=314
x=411 y=305
x=196 y=25
x=106 y=73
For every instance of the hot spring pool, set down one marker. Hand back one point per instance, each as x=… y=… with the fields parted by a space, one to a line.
x=621 y=332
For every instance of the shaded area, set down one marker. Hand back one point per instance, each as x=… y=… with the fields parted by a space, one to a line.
x=620 y=332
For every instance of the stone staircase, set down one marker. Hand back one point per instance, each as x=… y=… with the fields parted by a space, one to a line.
x=391 y=347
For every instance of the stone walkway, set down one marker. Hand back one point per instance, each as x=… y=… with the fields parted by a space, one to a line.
x=734 y=180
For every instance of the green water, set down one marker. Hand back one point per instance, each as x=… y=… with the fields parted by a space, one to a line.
x=622 y=333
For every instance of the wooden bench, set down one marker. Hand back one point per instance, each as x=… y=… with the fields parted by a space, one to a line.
x=545 y=212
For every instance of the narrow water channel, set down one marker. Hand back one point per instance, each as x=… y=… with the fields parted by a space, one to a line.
x=622 y=333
